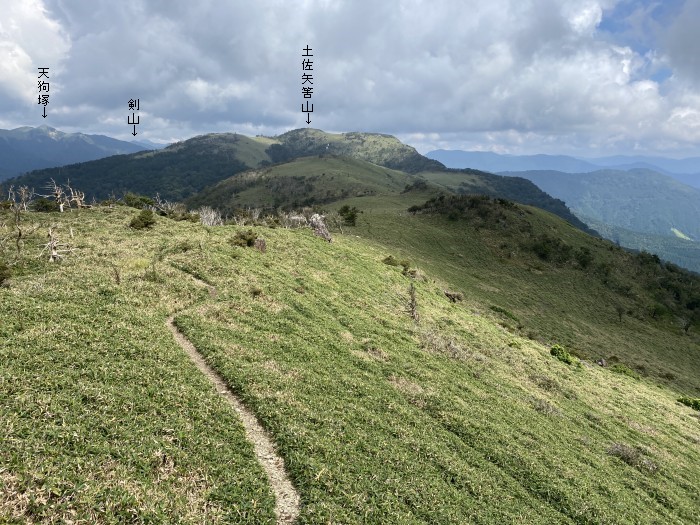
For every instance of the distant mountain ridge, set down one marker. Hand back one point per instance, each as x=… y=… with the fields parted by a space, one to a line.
x=25 y=149
x=638 y=200
x=194 y=169
x=638 y=208
x=686 y=170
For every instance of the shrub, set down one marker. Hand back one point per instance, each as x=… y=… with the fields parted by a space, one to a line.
x=393 y=261
x=143 y=220
x=692 y=402
x=624 y=370
x=454 y=296
x=244 y=238
x=551 y=249
x=584 y=257
x=260 y=244
x=349 y=214
x=418 y=185
x=562 y=354
x=43 y=204
x=545 y=407
x=256 y=291
x=138 y=201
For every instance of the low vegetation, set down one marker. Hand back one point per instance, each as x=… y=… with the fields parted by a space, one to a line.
x=693 y=403
x=380 y=418
x=561 y=353
x=143 y=220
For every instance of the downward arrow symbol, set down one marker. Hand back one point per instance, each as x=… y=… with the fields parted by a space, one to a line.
x=44 y=115
x=134 y=133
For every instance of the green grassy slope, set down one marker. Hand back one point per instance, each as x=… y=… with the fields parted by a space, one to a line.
x=518 y=189
x=492 y=260
x=454 y=419
x=103 y=418
x=301 y=182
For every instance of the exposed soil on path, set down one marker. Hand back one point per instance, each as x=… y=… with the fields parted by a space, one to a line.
x=287 y=499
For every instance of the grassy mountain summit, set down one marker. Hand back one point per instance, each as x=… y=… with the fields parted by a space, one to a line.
x=460 y=414
x=381 y=149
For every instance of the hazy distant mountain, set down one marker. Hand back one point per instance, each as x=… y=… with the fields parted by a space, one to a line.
x=494 y=162
x=25 y=149
x=686 y=170
x=639 y=200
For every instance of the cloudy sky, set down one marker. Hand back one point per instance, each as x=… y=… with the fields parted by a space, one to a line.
x=583 y=77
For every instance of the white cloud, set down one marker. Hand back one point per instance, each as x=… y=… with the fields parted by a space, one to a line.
x=520 y=75
x=28 y=39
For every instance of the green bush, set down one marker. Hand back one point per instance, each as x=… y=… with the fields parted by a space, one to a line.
x=692 y=402
x=551 y=249
x=624 y=370
x=244 y=238
x=143 y=220
x=584 y=257
x=43 y=204
x=393 y=261
x=349 y=214
x=138 y=201
x=562 y=354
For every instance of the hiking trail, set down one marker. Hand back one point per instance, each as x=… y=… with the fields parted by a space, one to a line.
x=287 y=500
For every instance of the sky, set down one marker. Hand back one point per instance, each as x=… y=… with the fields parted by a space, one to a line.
x=577 y=77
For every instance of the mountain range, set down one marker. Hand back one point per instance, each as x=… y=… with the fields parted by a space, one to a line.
x=25 y=149
x=214 y=164
x=684 y=170
x=639 y=208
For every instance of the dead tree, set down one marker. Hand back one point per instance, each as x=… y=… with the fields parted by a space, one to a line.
x=25 y=196
x=319 y=226
x=335 y=220
x=16 y=208
x=58 y=194
x=55 y=247
x=77 y=197
x=292 y=220
x=166 y=207
x=209 y=216
x=413 y=303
